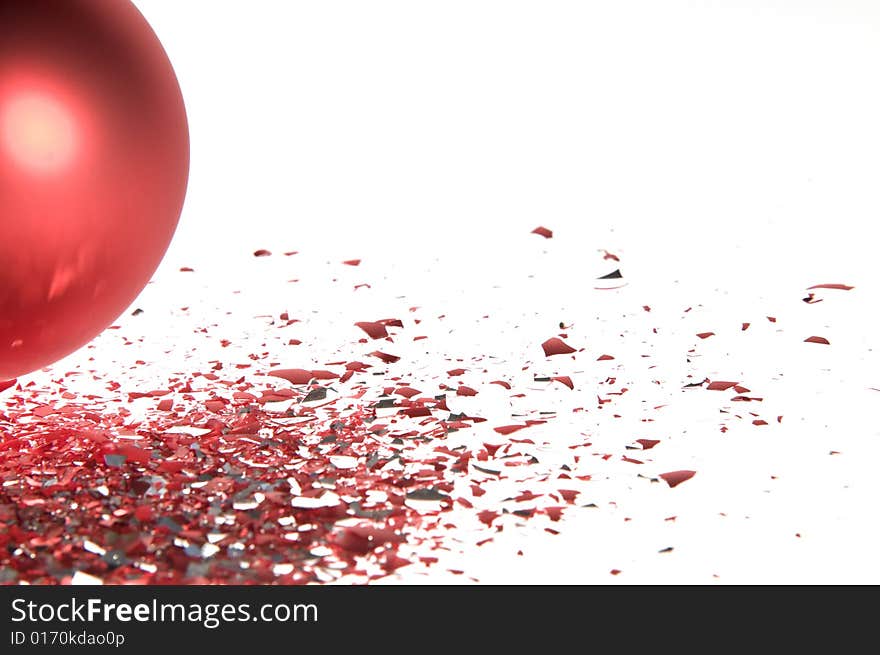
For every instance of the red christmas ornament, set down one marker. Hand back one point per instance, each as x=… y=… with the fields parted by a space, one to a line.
x=94 y=160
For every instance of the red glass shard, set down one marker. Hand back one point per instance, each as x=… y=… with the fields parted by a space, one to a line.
x=556 y=346
x=385 y=357
x=293 y=375
x=508 y=429
x=374 y=330
x=487 y=516
x=647 y=444
x=675 y=478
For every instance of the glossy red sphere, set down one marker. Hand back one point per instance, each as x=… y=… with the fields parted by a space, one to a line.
x=94 y=160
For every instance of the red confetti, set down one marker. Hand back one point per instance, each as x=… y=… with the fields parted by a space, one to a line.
x=564 y=379
x=487 y=516
x=324 y=476
x=365 y=538
x=262 y=253
x=675 y=478
x=143 y=513
x=407 y=392
x=385 y=357
x=647 y=444
x=509 y=429
x=720 y=385
x=352 y=262
x=554 y=513
x=544 y=232
x=293 y=375
x=821 y=340
x=556 y=346
x=374 y=330
x=840 y=287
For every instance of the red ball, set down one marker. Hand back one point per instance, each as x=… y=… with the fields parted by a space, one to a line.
x=94 y=160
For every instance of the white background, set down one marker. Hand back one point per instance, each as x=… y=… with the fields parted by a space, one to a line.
x=705 y=125
x=728 y=151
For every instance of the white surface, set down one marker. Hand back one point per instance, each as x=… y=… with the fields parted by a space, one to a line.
x=727 y=151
